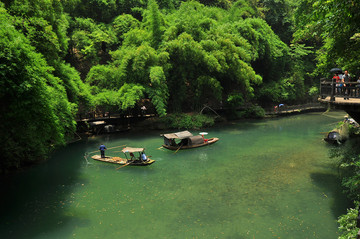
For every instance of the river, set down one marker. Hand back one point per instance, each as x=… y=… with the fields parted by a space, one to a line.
x=269 y=178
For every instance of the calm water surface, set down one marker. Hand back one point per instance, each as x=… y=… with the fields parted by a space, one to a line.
x=263 y=179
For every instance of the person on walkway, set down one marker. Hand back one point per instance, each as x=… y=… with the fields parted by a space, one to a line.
x=143 y=110
x=338 y=84
x=358 y=88
x=102 y=149
x=346 y=80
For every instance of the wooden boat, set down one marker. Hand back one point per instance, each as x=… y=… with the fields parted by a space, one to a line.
x=130 y=158
x=334 y=137
x=187 y=140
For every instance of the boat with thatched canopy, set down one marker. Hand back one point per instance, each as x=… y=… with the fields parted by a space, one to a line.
x=130 y=159
x=186 y=140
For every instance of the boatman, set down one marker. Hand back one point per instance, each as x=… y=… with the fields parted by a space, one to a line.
x=102 y=149
x=143 y=156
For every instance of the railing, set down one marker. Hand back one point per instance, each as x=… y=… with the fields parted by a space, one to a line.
x=285 y=109
x=92 y=116
x=333 y=89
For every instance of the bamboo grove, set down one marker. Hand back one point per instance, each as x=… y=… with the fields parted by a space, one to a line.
x=60 y=58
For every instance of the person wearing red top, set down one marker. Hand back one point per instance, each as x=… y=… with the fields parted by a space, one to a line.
x=338 y=84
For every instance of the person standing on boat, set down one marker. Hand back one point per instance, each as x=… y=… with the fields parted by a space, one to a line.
x=102 y=149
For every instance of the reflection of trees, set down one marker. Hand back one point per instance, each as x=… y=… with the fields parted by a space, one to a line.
x=349 y=166
x=34 y=202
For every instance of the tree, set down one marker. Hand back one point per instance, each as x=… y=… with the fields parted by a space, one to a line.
x=36 y=113
x=279 y=15
x=156 y=28
x=333 y=26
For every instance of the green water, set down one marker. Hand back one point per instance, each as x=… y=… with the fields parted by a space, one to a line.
x=263 y=179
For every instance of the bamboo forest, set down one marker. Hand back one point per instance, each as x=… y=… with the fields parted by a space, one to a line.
x=159 y=66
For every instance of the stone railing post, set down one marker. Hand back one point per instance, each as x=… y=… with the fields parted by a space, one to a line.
x=332 y=96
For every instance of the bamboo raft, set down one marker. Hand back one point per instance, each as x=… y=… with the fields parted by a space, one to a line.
x=122 y=161
x=129 y=159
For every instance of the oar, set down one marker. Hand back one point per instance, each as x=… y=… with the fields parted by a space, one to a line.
x=117 y=146
x=123 y=166
x=178 y=149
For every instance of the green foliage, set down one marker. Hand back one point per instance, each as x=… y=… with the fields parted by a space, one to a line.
x=103 y=77
x=234 y=100
x=36 y=113
x=279 y=15
x=186 y=121
x=90 y=39
x=330 y=25
x=158 y=91
x=179 y=54
x=77 y=92
x=44 y=23
x=313 y=92
x=347 y=223
x=244 y=9
x=349 y=163
x=155 y=22
x=254 y=111
x=130 y=94
x=226 y=4
x=101 y=10
x=123 y=24
x=108 y=100
x=270 y=55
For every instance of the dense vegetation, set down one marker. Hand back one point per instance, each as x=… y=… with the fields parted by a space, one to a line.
x=348 y=157
x=61 y=58
x=114 y=55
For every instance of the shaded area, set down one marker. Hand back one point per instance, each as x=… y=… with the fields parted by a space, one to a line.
x=33 y=201
x=330 y=184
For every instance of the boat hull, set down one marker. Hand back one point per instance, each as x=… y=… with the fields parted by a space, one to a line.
x=210 y=141
x=334 y=137
x=122 y=161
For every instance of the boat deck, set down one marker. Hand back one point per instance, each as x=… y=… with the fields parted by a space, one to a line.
x=122 y=161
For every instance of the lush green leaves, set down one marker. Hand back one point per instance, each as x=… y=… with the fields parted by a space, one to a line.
x=130 y=94
x=36 y=113
x=348 y=223
x=331 y=25
x=179 y=55
x=158 y=90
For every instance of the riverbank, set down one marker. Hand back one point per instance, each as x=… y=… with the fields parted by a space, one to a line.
x=192 y=120
x=295 y=109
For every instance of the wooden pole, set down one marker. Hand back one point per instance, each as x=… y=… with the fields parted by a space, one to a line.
x=108 y=148
x=123 y=166
x=178 y=149
x=332 y=97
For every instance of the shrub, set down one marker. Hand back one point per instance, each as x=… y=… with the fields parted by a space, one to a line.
x=186 y=121
x=254 y=111
x=347 y=224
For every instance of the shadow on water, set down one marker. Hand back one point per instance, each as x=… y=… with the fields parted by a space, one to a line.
x=34 y=201
x=330 y=184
